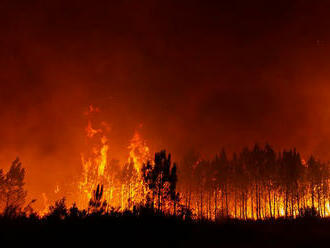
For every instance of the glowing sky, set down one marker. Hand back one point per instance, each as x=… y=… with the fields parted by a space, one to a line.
x=195 y=74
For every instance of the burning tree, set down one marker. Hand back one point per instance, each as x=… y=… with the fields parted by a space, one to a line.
x=95 y=204
x=161 y=179
x=123 y=183
x=12 y=192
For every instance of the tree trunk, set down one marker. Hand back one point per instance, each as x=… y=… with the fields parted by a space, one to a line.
x=286 y=203
x=201 y=204
x=312 y=191
x=257 y=205
x=270 y=203
x=215 y=204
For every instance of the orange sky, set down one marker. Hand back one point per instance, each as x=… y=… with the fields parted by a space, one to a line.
x=193 y=74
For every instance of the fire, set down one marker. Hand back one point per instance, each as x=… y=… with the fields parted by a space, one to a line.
x=139 y=152
x=46 y=205
x=90 y=131
x=123 y=185
x=95 y=163
x=57 y=189
x=102 y=159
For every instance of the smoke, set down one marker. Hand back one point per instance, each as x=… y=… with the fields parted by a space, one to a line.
x=192 y=74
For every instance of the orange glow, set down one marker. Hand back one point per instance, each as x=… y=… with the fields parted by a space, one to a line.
x=123 y=185
x=139 y=152
x=46 y=204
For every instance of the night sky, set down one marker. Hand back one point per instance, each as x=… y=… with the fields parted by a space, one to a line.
x=185 y=74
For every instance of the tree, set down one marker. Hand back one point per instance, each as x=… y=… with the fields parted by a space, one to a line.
x=186 y=173
x=59 y=211
x=161 y=179
x=95 y=204
x=314 y=176
x=129 y=179
x=12 y=191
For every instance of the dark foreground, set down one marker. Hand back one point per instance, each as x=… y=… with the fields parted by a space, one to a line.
x=133 y=231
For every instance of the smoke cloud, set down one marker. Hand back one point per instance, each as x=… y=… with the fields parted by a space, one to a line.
x=192 y=74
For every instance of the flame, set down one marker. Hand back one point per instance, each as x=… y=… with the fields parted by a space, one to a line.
x=90 y=131
x=139 y=152
x=123 y=186
x=103 y=158
x=94 y=164
x=46 y=205
x=57 y=189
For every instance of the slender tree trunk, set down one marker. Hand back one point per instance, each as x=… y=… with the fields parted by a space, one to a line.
x=319 y=200
x=158 y=199
x=257 y=204
x=201 y=204
x=246 y=205
x=298 y=201
x=260 y=203
x=312 y=191
x=209 y=205
x=286 y=203
x=235 y=204
x=251 y=202
x=226 y=195
x=324 y=196
x=292 y=204
x=274 y=204
x=270 y=203
x=215 y=204
x=222 y=207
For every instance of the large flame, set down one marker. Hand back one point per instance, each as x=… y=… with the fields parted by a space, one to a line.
x=139 y=152
x=123 y=185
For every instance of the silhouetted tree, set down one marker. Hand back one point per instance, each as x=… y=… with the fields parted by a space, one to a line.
x=161 y=178
x=12 y=191
x=28 y=210
x=58 y=211
x=96 y=205
x=256 y=183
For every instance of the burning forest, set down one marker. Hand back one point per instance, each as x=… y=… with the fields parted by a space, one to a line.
x=165 y=123
x=256 y=183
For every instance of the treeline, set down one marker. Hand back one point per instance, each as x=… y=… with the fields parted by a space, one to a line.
x=208 y=188
x=154 y=188
x=255 y=183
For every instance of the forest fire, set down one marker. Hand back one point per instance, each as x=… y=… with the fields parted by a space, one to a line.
x=256 y=184
x=165 y=123
x=123 y=184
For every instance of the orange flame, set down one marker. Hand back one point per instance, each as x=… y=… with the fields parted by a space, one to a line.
x=123 y=186
x=139 y=152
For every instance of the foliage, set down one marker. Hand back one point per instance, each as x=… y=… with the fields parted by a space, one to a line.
x=58 y=211
x=161 y=178
x=12 y=193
